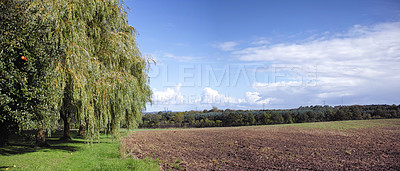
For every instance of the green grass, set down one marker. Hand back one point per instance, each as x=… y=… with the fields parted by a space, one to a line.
x=345 y=125
x=75 y=155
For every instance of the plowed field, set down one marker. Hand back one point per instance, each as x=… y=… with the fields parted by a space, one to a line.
x=361 y=145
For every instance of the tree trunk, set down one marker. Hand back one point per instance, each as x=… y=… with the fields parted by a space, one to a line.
x=67 y=130
x=81 y=131
x=67 y=108
x=67 y=122
x=3 y=134
x=41 y=139
x=3 y=138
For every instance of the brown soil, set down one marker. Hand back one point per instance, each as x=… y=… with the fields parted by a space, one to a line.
x=270 y=148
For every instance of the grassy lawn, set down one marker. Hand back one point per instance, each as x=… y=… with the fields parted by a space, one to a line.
x=74 y=155
x=351 y=124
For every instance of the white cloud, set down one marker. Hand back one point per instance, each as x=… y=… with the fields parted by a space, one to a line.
x=226 y=46
x=361 y=65
x=169 y=96
x=209 y=97
x=260 y=41
x=179 y=58
x=250 y=100
x=254 y=98
x=363 y=44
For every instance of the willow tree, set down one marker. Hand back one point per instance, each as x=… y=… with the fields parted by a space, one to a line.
x=101 y=71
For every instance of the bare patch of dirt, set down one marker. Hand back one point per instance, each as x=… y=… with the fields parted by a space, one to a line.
x=269 y=148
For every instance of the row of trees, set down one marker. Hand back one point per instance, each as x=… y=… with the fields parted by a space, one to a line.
x=69 y=60
x=219 y=118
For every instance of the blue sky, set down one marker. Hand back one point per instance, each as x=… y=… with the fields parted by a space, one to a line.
x=258 y=54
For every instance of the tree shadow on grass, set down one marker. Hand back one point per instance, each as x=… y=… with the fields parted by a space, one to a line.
x=15 y=148
x=56 y=141
x=20 y=145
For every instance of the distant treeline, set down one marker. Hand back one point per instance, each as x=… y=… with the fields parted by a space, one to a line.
x=223 y=118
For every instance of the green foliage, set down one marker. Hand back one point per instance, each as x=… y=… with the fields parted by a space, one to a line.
x=214 y=109
x=101 y=70
x=28 y=95
x=249 y=119
x=288 y=118
x=189 y=118
x=341 y=115
x=312 y=117
x=301 y=117
x=356 y=114
x=232 y=118
x=264 y=117
x=277 y=118
x=82 y=61
x=179 y=116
